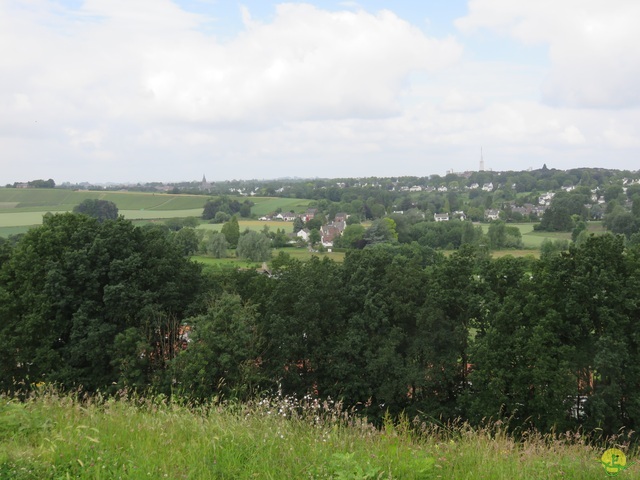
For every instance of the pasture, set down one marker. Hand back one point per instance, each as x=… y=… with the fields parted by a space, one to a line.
x=532 y=239
x=255 y=225
x=266 y=205
x=23 y=208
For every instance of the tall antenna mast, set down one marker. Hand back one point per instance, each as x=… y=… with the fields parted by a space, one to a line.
x=481 y=161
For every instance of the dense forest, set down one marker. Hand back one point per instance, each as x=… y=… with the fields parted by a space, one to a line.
x=548 y=343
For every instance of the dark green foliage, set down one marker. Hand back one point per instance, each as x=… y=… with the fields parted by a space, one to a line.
x=298 y=224
x=186 y=240
x=503 y=236
x=176 y=224
x=555 y=219
x=254 y=246
x=580 y=227
x=314 y=237
x=82 y=301
x=352 y=237
x=443 y=235
x=621 y=221
x=565 y=331
x=226 y=206
x=396 y=328
x=559 y=216
x=553 y=247
x=99 y=209
x=215 y=244
x=222 y=357
x=315 y=223
x=231 y=231
x=42 y=183
x=382 y=230
x=613 y=192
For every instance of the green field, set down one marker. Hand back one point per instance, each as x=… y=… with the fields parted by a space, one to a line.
x=266 y=205
x=532 y=239
x=22 y=208
x=255 y=225
x=302 y=254
x=59 y=200
x=131 y=437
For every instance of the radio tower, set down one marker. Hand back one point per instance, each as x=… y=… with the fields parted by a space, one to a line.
x=481 y=161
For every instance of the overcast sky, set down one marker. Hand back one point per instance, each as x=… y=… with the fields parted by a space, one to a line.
x=169 y=90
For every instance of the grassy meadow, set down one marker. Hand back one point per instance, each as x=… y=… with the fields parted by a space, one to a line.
x=24 y=208
x=255 y=225
x=52 y=436
x=231 y=261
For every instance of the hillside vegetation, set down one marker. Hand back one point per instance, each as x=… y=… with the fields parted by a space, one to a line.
x=548 y=343
x=130 y=437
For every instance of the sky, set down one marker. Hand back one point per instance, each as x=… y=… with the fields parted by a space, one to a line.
x=170 y=90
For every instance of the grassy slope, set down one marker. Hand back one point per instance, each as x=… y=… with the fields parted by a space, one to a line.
x=55 y=200
x=59 y=437
x=21 y=208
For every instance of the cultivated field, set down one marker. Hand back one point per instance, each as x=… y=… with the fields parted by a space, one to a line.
x=23 y=208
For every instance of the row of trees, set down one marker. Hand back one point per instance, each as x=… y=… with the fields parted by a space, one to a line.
x=34 y=184
x=570 y=211
x=221 y=209
x=346 y=189
x=549 y=343
x=91 y=303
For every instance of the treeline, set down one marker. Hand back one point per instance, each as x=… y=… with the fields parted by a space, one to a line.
x=33 y=184
x=549 y=343
x=344 y=189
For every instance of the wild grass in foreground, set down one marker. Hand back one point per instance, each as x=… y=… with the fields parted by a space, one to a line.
x=53 y=436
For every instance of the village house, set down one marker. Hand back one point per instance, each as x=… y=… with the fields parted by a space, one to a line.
x=341 y=217
x=492 y=214
x=329 y=232
x=545 y=199
x=441 y=217
x=309 y=214
x=303 y=234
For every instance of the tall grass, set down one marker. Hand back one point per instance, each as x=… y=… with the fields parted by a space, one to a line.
x=130 y=437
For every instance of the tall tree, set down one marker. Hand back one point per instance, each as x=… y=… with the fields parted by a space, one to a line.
x=216 y=244
x=231 y=231
x=73 y=285
x=224 y=346
x=254 y=246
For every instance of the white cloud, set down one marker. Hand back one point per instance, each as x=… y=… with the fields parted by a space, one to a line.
x=594 y=45
x=135 y=90
x=147 y=57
